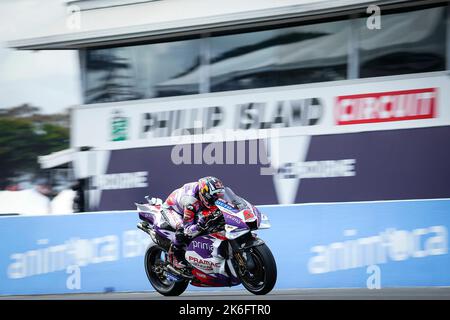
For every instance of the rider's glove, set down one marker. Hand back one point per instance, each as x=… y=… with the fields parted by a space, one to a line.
x=202 y=224
x=208 y=223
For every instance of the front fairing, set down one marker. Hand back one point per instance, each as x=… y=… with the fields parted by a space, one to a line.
x=240 y=216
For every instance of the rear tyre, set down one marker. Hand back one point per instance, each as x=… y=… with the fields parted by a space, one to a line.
x=262 y=278
x=154 y=262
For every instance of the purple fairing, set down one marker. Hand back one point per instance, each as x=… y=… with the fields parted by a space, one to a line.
x=165 y=233
x=222 y=280
x=234 y=221
x=147 y=217
x=202 y=245
x=258 y=214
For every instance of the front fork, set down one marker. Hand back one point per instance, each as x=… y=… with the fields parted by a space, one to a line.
x=244 y=261
x=242 y=248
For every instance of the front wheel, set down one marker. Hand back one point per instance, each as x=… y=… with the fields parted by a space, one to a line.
x=263 y=275
x=155 y=258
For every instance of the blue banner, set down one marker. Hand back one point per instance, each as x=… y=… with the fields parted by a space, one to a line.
x=372 y=244
x=379 y=244
x=72 y=253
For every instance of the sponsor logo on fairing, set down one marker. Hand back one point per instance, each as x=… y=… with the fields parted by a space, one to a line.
x=205 y=264
x=202 y=245
x=226 y=206
x=248 y=215
x=234 y=219
x=386 y=106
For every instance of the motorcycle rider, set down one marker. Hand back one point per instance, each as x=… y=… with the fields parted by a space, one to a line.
x=187 y=210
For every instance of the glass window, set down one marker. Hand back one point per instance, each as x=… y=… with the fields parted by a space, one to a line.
x=242 y=61
x=286 y=56
x=163 y=68
x=109 y=76
x=314 y=53
x=408 y=42
x=141 y=72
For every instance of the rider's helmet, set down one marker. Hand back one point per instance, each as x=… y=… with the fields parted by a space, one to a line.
x=210 y=189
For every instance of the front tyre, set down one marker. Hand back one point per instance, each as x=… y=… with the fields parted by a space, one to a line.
x=261 y=278
x=155 y=258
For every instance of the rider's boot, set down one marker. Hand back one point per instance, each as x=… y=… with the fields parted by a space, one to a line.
x=178 y=260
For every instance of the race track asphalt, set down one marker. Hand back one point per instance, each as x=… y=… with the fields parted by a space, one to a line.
x=435 y=293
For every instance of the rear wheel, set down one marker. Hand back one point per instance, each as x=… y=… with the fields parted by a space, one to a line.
x=155 y=258
x=262 y=277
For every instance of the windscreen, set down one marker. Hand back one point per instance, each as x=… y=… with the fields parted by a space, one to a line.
x=234 y=200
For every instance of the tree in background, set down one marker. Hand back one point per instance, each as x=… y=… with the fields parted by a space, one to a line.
x=25 y=134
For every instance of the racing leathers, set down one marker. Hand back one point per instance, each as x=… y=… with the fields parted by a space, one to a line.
x=186 y=214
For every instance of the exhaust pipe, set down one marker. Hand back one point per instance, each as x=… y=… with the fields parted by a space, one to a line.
x=143 y=227
x=178 y=273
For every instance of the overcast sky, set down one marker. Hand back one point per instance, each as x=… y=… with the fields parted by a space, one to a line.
x=47 y=79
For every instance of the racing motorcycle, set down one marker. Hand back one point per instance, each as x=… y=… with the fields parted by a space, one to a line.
x=226 y=253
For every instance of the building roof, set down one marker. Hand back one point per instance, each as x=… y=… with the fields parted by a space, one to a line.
x=110 y=22
x=57 y=159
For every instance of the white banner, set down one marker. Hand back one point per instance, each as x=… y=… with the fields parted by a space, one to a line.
x=326 y=108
